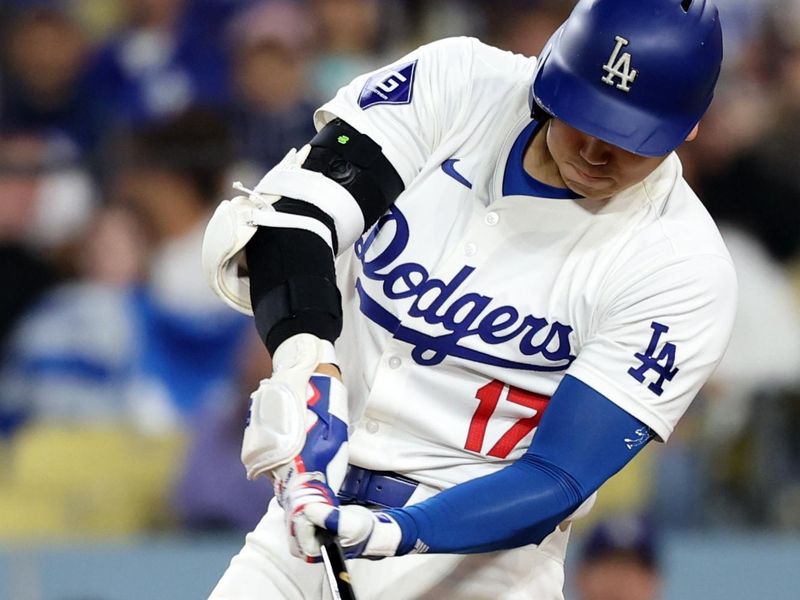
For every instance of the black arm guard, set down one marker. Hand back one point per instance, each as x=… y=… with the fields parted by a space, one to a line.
x=292 y=277
x=356 y=162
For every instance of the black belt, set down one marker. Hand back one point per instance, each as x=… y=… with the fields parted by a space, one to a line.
x=376 y=488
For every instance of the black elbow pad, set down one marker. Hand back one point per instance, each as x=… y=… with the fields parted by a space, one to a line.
x=356 y=162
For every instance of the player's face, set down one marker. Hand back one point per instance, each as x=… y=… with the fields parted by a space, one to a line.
x=617 y=578
x=593 y=168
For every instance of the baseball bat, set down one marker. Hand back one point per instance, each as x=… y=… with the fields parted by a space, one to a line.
x=335 y=567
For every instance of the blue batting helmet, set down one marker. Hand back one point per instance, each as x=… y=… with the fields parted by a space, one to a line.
x=638 y=74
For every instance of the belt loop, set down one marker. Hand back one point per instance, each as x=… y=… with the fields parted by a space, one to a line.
x=364 y=481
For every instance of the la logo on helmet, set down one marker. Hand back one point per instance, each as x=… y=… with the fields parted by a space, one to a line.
x=620 y=66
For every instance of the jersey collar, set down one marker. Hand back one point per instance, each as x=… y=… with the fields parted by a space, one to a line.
x=518 y=182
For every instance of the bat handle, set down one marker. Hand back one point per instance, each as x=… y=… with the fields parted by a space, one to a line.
x=333 y=557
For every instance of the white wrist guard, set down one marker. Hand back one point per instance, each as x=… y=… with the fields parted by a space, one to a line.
x=235 y=222
x=276 y=429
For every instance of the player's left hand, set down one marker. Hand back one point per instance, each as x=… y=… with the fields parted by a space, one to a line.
x=323 y=458
x=313 y=475
x=362 y=532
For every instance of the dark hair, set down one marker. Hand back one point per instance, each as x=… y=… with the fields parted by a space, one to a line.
x=195 y=144
x=15 y=21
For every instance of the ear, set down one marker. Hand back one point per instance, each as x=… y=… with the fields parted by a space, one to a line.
x=693 y=133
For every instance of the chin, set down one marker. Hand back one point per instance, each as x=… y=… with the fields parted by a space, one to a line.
x=599 y=196
x=590 y=193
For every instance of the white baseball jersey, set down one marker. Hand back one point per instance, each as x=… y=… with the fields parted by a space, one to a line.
x=470 y=300
x=466 y=306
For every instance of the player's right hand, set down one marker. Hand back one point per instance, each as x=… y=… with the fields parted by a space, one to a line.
x=362 y=533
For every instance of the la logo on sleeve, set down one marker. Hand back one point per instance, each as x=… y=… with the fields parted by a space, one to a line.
x=662 y=365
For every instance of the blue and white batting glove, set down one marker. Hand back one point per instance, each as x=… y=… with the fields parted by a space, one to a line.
x=324 y=454
x=312 y=476
x=297 y=412
x=362 y=532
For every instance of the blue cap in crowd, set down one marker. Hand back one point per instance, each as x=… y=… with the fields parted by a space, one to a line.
x=628 y=535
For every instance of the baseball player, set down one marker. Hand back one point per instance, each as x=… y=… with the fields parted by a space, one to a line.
x=485 y=286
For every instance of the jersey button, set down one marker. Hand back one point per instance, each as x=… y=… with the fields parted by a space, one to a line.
x=471 y=249
x=492 y=219
x=395 y=362
x=372 y=427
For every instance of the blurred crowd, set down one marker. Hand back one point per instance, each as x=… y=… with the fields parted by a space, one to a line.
x=124 y=382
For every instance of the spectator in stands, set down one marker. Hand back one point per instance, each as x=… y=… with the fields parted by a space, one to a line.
x=213 y=492
x=71 y=356
x=19 y=263
x=347 y=36
x=523 y=26
x=187 y=339
x=138 y=335
x=744 y=169
x=618 y=561
x=42 y=93
x=169 y=57
x=44 y=202
x=272 y=110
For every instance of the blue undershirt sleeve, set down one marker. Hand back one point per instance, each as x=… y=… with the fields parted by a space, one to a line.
x=582 y=440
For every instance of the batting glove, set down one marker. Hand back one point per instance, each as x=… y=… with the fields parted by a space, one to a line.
x=323 y=458
x=313 y=475
x=362 y=533
x=304 y=490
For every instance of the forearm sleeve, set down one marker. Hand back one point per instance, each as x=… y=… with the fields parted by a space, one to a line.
x=582 y=440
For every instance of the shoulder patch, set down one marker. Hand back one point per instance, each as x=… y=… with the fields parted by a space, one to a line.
x=390 y=86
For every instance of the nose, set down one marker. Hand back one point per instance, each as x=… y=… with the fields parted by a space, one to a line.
x=595 y=152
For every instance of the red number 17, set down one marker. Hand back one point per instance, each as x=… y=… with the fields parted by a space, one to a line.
x=488 y=397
